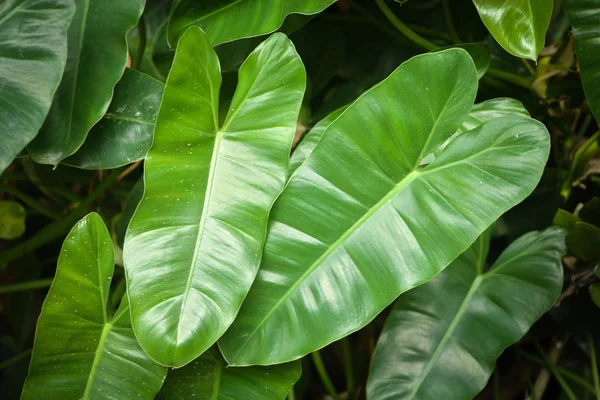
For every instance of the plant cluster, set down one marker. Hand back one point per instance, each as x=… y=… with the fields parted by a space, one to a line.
x=301 y=199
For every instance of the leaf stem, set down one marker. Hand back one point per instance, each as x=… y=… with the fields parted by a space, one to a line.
x=528 y=66
x=16 y=359
x=594 y=362
x=348 y=367
x=509 y=77
x=58 y=228
x=139 y=54
x=450 y=23
x=24 y=286
x=316 y=356
x=31 y=202
x=292 y=394
x=550 y=361
x=405 y=30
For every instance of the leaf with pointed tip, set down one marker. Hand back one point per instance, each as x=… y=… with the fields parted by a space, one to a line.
x=519 y=26
x=33 y=53
x=437 y=346
x=584 y=16
x=81 y=352
x=124 y=134
x=96 y=59
x=228 y=20
x=194 y=244
x=360 y=221
x=209 y=378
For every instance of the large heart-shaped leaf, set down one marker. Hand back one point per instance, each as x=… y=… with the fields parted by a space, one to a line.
x=361 y=222
x=584 y=16
x=228 y=20
x=80 y=351
x=125 y=132
x=519 y=26
x=96 y=59
x=209 y=378
x=33 y=52
x=194 y=244
x=442 y=339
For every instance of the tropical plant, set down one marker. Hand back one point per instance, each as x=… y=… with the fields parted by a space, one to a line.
x=261 y=200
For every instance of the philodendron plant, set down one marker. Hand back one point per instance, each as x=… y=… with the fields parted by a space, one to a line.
x=251 y=241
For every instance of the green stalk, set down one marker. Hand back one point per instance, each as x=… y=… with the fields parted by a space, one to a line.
x=24 y=286
x=15 y=359
x=139 y=54
x=348 y=368
x=31 y=202
x=58 y=228
x=594 y=362
x=450 y=23
x=509 y=77
x=582 y=157
x=292 y=394
x=405 y=30
x=550 y=362
x=324 y=376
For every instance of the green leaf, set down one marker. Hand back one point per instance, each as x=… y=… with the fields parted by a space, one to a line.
x=96 y=59
x=565 y=219
x=12 y=220
x=360 y=222
x=519 y=26
x=591 y=211
x=583 y=241
x=442 y=339
x=595 y=293
x=479 y=52
x=124 y=134
x=33 y=53
x=209 y=378
x=228 y=20
x=584 y=16
x=80 y=351
x=310 y=141
x=194 y=244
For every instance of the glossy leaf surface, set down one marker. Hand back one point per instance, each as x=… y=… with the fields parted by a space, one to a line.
x=584 y=16
x=519 y=26
x=80 y=351
x=442 y=339
x=12 y=220
x=33 y=53
x=228 y=20
x=125 y=132
x=209 y=378
x=97 y=53
x=194 y=244
x=360 y=222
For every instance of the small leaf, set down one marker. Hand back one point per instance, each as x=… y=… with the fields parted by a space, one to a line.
x=209 y=378
x=519 y=26
x=583 y=241
x=124 y=134
x=194 y=244
x=95 y=62
x=12 y=220
x=80 y=351
x=228 y=20
x=442 y=339
x=565 y=219
x=33 y=52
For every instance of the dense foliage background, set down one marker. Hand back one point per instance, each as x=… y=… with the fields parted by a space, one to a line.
x=346 y=49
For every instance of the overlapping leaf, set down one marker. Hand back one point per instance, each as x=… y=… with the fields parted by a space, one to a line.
x=519 y=26
x=361 y=222
x=97 y=53
x=228 y=20
x=33 y=52
x=194 y=244
x=209 y=378
x=125 y=132
x=80 y=351
x=442 y=339
x=584 y=16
